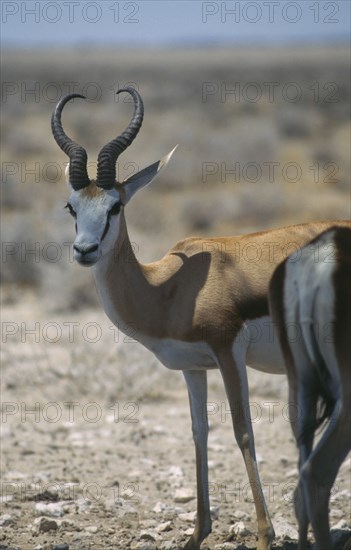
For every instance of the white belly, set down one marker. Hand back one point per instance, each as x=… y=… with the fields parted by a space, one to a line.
x=259 y=339
x=178 y=355
x=256 y=342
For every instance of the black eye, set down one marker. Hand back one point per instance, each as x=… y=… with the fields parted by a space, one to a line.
x=70 y=210
x=115 y=209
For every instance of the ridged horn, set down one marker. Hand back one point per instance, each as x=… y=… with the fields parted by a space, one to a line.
x=78 y=174
x=106 y=165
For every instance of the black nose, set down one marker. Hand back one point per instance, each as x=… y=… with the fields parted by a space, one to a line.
x=85 y=248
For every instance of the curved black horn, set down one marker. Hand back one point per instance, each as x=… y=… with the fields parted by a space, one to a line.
x=78 y=174
x=106 y=166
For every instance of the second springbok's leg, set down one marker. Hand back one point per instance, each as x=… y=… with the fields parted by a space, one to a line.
x=319 y=472
x=314 y=296
x=302 y=411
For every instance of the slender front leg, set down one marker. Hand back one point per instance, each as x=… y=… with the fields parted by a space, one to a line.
x=197 y=389
x=234 y=375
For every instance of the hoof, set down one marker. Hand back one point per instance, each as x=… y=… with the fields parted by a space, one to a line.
x=192 y=544
x=265 y=542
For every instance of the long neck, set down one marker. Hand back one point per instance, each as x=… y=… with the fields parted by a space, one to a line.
x=126 y=288
x=115 y=273
x=122 y=257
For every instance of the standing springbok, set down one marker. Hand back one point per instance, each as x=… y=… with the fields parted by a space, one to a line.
x=198 y=308
x=310 y=299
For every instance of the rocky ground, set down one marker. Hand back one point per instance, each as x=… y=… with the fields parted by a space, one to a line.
x=97 y=450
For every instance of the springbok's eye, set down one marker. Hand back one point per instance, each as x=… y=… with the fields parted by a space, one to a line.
x=70 y=210
x=115 y=209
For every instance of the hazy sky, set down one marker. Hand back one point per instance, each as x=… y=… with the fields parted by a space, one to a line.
x=173 y=22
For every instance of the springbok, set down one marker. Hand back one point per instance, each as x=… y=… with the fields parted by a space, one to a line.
x=310 y=299
x=198 y=308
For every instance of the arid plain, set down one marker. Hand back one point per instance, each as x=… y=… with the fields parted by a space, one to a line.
x=96 y=433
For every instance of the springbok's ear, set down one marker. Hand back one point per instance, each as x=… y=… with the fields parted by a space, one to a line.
x=144 y=177
x=70 y=188
x=67 y=175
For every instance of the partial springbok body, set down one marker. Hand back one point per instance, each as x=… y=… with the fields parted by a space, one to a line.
x=311 y=304
x=200 y=307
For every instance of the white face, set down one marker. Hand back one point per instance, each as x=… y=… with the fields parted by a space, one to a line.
x=97 y=215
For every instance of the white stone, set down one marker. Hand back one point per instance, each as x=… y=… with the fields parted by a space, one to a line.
x=52 y=509
x=169 y=545
x=175 y=471
x=163 y=527
x=145 y=545
x=341 y=495
x=239 y=529
x=147 y=523
x=336 y=513
x=225 y=546
x=283 y=529
x=188 y=516
x=148 y=536
x=6 y=498
x=92 y=529
x=6 y=520
x=83 y=505
x=184 y=495
x=158 y=429
x=342 y=524
x=159 y=507
x=259 y=459
x=240 y=514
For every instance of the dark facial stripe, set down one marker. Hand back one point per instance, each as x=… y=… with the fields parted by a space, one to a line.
x=107 y=227
x=113 y=212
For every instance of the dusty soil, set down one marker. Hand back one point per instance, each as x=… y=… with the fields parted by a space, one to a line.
x=96 y=433
x=96 y=437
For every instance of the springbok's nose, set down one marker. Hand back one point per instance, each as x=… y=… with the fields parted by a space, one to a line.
x=85 y=248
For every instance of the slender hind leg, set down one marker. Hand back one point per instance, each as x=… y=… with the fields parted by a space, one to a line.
x=302 y=412
x=236 y=385
x=320 y=471
x=307 y=404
